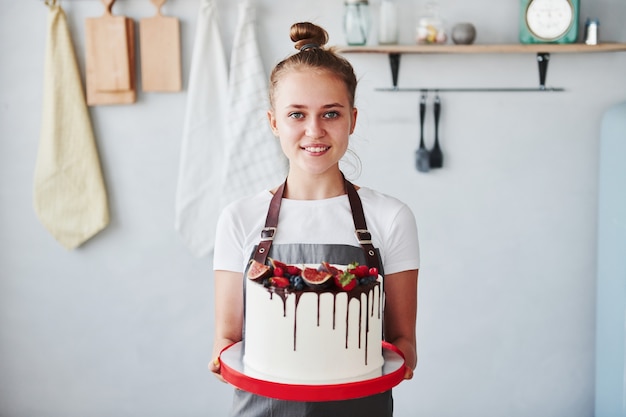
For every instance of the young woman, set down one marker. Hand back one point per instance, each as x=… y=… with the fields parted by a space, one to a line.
x=312 y=113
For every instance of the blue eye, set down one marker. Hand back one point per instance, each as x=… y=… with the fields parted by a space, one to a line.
x=296 y=115
x=331 y=115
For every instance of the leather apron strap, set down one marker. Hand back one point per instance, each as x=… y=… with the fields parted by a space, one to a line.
x=271 y=221
x=363 y=235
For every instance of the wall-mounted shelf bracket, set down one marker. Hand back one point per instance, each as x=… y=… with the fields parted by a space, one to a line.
x=542 y=60
x=394 y=63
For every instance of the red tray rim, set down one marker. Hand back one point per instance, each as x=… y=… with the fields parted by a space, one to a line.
x=318 y=392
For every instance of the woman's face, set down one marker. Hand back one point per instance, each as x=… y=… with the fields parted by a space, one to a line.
x=313 y=119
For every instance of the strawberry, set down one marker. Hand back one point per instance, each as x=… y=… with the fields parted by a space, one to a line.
x=350 y=285
x=279 y=282
x=346 y=281
x=278 y=271
x=352 y=267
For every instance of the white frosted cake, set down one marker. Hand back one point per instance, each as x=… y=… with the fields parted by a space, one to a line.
x=320 y=326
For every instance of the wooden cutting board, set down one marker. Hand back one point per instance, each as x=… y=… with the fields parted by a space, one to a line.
x=110 y=58
x=159 y=40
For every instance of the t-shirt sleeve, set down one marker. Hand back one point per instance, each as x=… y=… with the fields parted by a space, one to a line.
x=228 y=253
x=401 y=247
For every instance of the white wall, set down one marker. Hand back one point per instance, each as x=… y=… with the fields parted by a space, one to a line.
x=122 y=326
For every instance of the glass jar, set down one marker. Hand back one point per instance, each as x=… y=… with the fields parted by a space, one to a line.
x=430 y=27
x=356 y=21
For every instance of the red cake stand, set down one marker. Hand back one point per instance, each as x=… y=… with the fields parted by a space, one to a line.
x=233 y=371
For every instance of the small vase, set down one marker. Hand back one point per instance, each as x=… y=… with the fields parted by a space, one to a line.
x=463 y=33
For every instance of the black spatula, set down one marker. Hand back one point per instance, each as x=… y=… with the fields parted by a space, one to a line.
x=422 y=158
x=436 y=156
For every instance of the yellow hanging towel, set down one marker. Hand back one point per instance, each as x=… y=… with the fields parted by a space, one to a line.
x=69 y=192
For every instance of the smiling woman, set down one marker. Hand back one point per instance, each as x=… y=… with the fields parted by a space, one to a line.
x=312 y=113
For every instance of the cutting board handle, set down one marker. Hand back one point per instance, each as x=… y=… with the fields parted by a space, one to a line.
x=108 y=5
x=158 y=4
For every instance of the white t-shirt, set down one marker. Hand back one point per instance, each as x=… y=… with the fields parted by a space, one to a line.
x=329 y=221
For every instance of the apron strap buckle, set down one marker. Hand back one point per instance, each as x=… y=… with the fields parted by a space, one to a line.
x=363 y=236
x=268 y=233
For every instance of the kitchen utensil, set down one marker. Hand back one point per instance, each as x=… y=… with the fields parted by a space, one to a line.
x=110 y=58
x=436 y=156
x=422 y=158
x=159 y=40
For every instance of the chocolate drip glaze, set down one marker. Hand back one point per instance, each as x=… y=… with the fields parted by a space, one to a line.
x=361 y=320
x=367 y=322
x=356 y=293
x=318 y=309
x=295 y=322
x=334 y=309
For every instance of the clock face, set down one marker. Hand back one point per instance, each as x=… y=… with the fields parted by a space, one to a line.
x=549 y=19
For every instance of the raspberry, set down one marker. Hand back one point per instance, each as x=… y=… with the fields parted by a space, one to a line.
x=361 y=271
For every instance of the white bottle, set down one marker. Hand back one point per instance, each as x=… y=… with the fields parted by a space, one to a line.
x=388 y=23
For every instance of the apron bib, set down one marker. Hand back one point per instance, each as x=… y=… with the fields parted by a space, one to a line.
x=246 y=404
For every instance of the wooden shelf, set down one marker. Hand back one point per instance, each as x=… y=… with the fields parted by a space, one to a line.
x=542 y=52
x=485 y=49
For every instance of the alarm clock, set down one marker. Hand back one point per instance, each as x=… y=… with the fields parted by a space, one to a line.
x=549 y=21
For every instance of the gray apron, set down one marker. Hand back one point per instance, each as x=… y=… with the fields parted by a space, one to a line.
x=246 y=404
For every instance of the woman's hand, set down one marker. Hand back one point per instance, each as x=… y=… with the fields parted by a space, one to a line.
x=215 y=367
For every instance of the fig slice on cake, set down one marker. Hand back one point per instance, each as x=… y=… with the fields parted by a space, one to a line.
x=278 y=264
x=315 y=278
x=257 y=271
x=329 y=268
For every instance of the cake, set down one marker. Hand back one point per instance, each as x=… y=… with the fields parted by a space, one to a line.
x=313 y=324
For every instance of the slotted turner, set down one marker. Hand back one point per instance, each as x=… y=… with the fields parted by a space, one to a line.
x=422 y=157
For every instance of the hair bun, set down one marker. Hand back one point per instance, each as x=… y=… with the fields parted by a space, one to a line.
x=308 y=35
